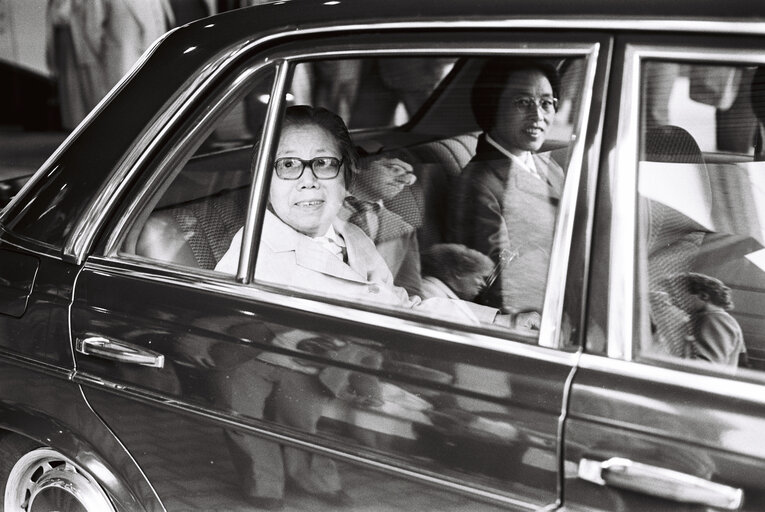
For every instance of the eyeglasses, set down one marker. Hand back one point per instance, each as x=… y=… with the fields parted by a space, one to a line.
x=526 y=103
x=323 y=167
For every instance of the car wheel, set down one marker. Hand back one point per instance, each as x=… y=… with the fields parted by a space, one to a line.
x=40 y=479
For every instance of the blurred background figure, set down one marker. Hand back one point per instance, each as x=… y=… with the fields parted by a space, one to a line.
x=717 y=336
x=93 y=43
x=186 y=11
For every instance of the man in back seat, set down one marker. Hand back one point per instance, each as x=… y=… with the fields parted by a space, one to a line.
x=505 y=200
x=380 y=179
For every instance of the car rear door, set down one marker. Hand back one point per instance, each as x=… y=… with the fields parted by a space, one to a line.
x=662 y=415
x=168 y=350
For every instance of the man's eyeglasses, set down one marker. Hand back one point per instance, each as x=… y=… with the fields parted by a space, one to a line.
x=323 y=167
x=526 y=103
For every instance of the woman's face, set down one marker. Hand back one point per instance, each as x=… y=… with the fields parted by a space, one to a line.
x=521 y=130
x=309 y=205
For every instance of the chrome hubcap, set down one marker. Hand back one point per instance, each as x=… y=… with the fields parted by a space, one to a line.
x=43 y=480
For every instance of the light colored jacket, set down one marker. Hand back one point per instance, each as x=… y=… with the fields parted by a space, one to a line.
x=289 y=258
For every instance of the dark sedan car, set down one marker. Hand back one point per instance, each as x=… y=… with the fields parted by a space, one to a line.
x=603 y=351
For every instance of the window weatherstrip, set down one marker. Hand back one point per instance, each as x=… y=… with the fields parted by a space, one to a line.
x=549 y=331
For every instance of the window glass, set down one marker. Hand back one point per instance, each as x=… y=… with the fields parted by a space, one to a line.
x=459 y=228
x=701 y=214
x=370 y=93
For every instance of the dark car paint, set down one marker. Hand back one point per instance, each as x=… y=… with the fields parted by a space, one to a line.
x=232 y=330
x=73 y=179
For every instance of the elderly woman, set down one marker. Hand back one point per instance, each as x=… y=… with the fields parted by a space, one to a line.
x=305 y=244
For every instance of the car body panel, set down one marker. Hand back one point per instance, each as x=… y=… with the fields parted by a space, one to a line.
x=203 y=352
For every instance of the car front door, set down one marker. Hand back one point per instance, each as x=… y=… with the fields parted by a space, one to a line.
x=666 y=409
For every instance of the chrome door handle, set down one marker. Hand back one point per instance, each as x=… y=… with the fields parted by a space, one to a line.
x=119 y=351
x=661 y=482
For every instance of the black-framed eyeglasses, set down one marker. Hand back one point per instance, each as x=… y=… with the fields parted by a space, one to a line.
x=323 y=167
x=526 y=103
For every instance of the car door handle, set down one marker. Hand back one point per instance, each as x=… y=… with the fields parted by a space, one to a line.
x=119 y=351
x=661 y=482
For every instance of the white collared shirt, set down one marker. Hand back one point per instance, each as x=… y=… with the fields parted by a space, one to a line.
x=333 y=242
x=525 y=161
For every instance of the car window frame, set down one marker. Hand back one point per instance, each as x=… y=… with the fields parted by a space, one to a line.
x=560 y=255
x=628 y=322
x=549 y=335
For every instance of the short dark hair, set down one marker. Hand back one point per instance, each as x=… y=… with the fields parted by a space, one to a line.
x=492 y=80
x=718 y=293
x=303 y=115
x=445 y=260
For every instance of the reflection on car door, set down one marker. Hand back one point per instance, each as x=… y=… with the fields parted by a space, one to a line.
x=453 y=426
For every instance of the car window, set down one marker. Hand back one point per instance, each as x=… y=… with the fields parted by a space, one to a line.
x=457 y=228
x=701 y=220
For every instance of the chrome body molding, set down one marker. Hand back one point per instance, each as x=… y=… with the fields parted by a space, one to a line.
x=282 y=435
x=623 y=327
x=83 y=233
x=720 y=385
x=217 y=283
x=36 y=365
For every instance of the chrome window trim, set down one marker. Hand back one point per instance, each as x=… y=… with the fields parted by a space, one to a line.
x=85 y=231
x=81 y=239
x=623 y=165
x=255 y=213
x=722 y=384
x=211 y=281
x=560 y=252
x=549 y=334
x=281 y=435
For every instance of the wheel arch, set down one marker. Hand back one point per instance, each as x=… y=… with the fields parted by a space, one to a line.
x=91 y=445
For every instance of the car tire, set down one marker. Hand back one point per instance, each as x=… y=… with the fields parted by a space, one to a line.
x=36 y=478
